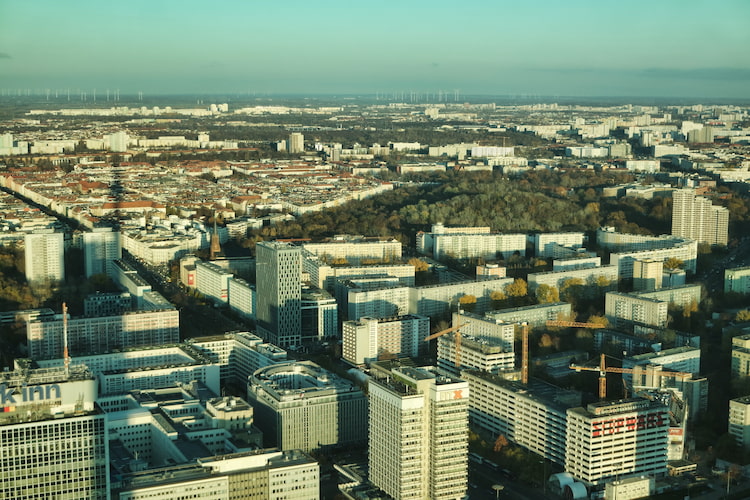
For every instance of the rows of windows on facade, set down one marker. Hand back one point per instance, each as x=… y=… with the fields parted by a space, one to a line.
x=112 y=405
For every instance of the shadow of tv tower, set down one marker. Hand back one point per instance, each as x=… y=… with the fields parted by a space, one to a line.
x=117 y=191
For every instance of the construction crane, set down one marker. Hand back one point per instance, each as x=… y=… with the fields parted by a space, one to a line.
x=524 y=353
x=457 y=338
x=603 y=369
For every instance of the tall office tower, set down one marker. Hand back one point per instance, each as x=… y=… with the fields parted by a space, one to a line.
x=296 y=143
x=45 y=256
x=647 y=274
x=54 y=440
x=100 y=249
x=278 y=278
x=696 y=218
x=419 y=422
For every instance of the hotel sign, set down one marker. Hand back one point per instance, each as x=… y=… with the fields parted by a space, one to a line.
x=627 y=424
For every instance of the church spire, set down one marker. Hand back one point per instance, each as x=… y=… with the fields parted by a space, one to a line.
x=215 y=250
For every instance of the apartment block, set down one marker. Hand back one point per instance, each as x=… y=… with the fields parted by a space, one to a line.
x=533 y=416
x=356 y=249
x=619 y=439
x=100 y=249
x=593 y=278
x=697 y=218
x=102 y=334
x=212 y=281
x=324 y=275
x=242 y=297
x=681 y=359
x=627 y=248
x=368 y=339
x=626 y=310
x=741 y=356
x=536 y=315
x=568 y=263
x=127 y=277
x=737 y=280
x=677 y=296
x=418 y=445
x=44 y=255
x=488 y=246
x=739 y=421
x=545 y=244
x=426 y=240
x=437 y=301
x=647 y=274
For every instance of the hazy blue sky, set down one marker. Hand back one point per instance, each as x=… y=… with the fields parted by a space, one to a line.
x=556 y=47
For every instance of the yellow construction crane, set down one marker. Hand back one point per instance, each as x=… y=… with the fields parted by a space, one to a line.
x=457 y=338
x=524 y=353
x=603 y=369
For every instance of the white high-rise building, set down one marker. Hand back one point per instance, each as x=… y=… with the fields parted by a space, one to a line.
x=296 y=143
x=620 y=439
x=647 y=274
x=45 y=257
x=739 y=420
x=118 y=142
x=419 y=434
x=368 y=339
x=696 y=218
x=279 y=286
x=54 y=439
x=100 y=249
x=737 y=280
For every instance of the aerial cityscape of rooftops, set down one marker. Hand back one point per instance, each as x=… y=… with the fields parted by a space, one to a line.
x=362 y=253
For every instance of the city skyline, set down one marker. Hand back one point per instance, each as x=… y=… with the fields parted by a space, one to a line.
x=580 y=48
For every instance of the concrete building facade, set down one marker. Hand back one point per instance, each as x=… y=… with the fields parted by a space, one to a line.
x=697 y=218
x=300 y=405
x=278 y=281
x=619 y=439
x=100 y=249
x=44 y=255
x=369 y=339
x=418 y=445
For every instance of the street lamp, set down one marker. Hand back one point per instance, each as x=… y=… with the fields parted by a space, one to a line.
x=498 y=488
x=544 y=476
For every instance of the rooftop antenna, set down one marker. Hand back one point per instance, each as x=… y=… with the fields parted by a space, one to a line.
x=66 y=356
